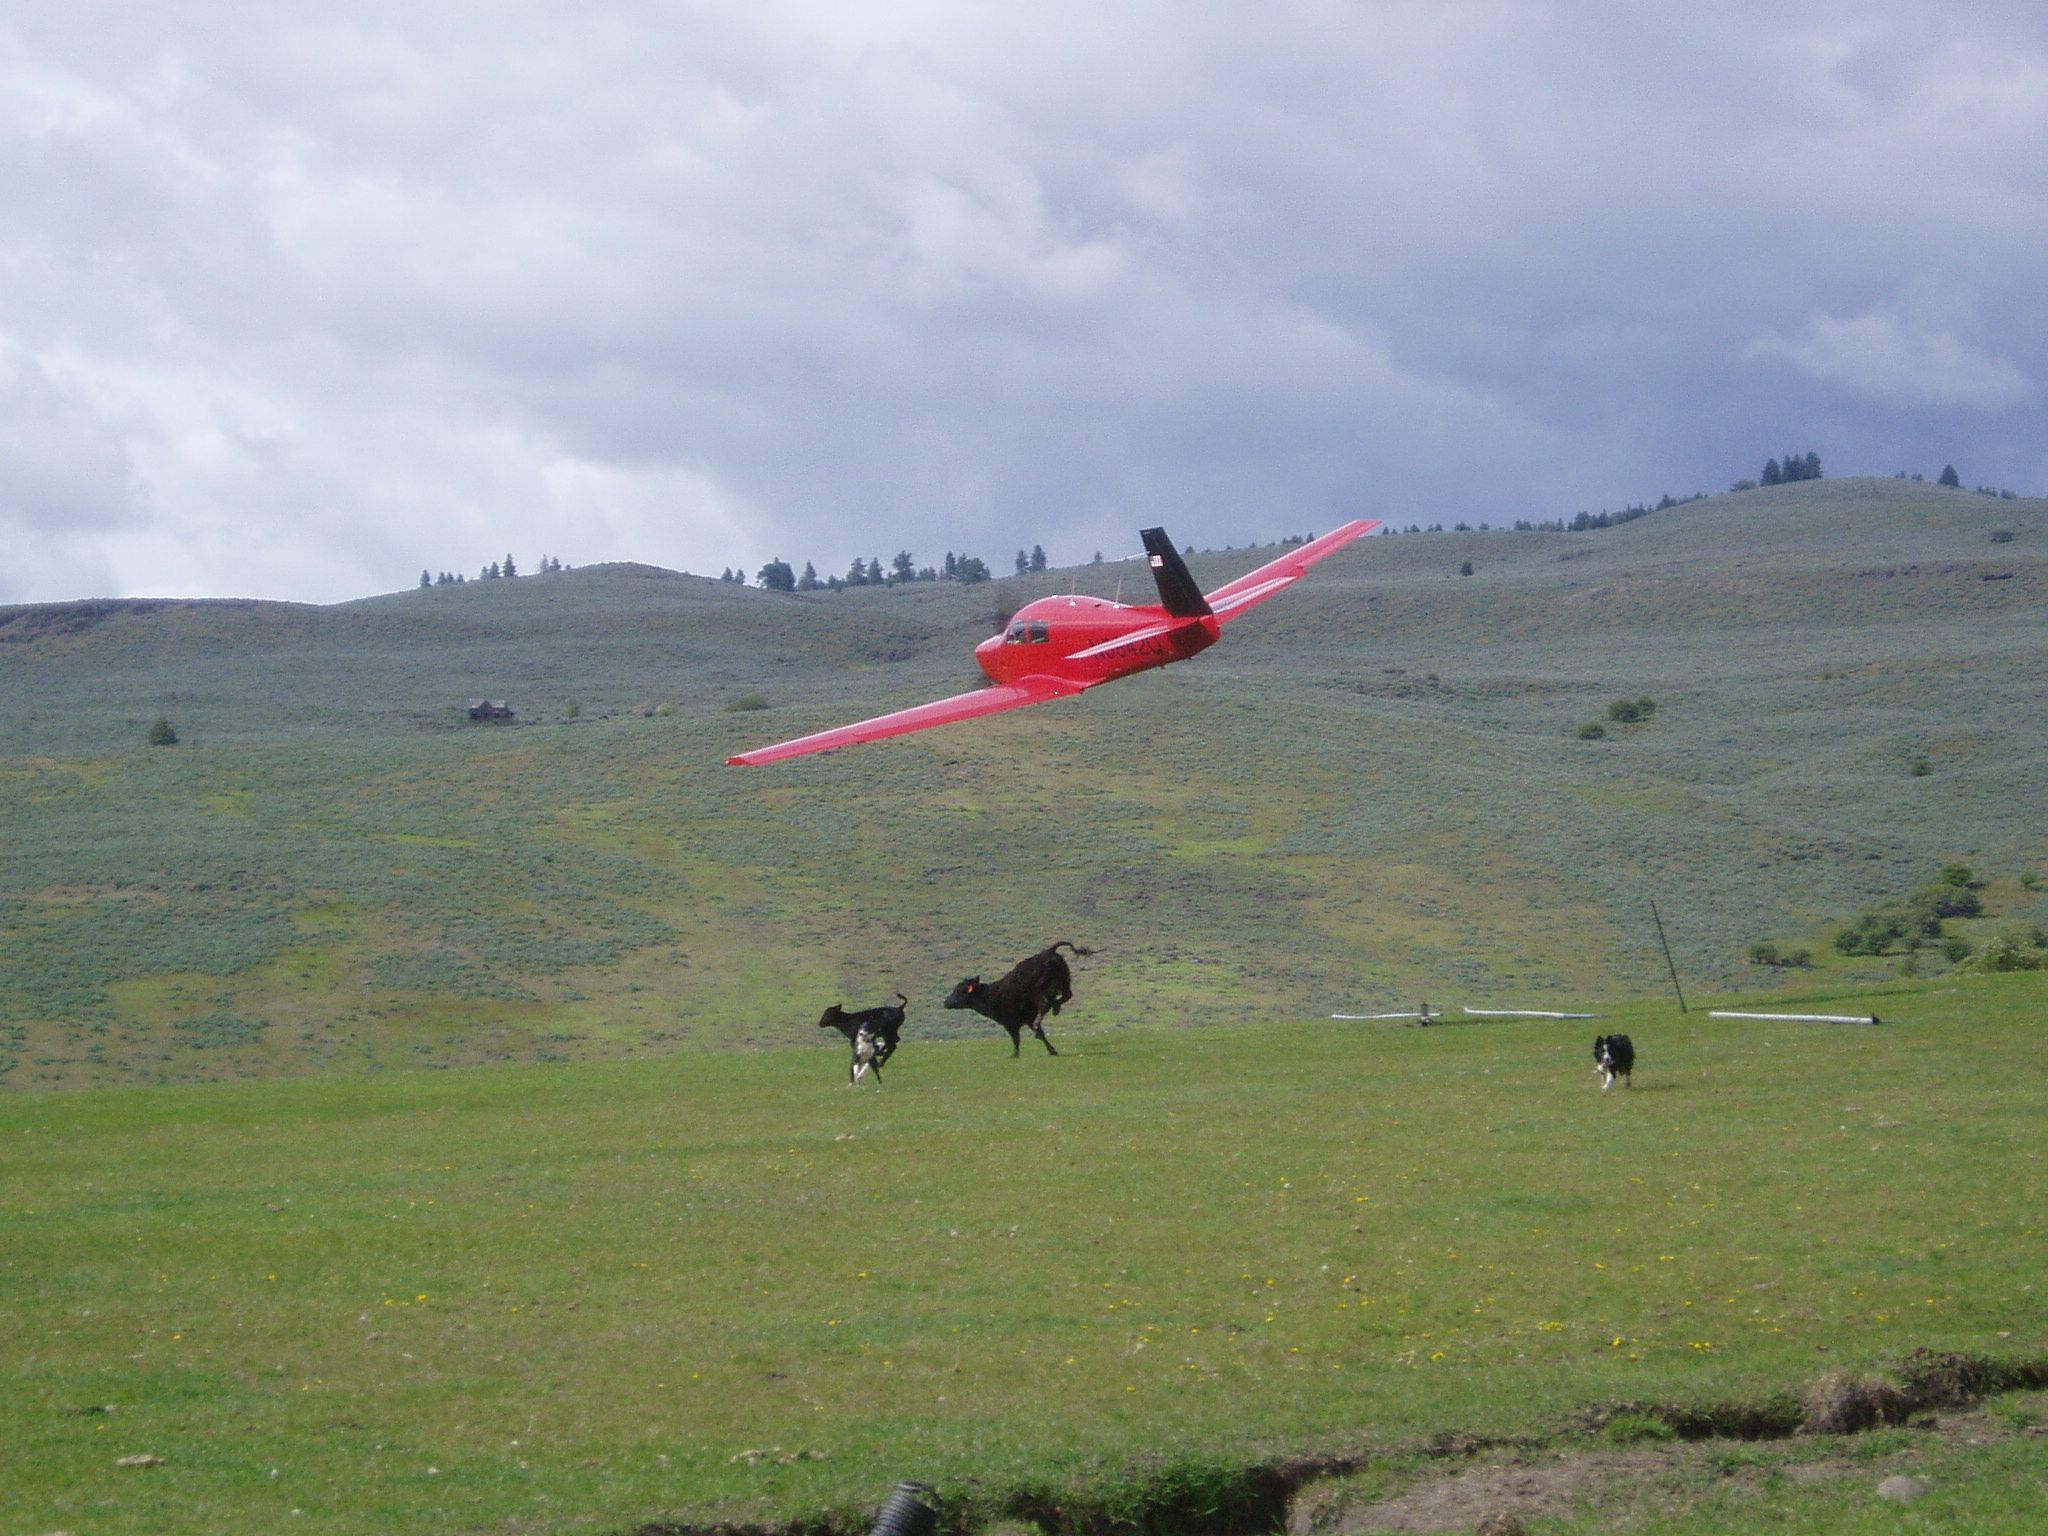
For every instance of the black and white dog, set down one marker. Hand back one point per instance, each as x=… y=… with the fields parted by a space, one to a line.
x=1614 y=1056
x=873 y=1033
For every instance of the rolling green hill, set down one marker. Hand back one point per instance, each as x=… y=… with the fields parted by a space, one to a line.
x=1374 y=791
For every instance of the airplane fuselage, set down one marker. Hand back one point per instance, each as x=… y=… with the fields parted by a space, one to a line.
x=1087 y=640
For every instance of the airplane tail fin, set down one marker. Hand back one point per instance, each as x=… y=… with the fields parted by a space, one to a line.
x=1178 y=593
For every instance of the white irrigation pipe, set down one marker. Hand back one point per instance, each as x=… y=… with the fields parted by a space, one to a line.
x=1474 y=1013
x=1525 y=1013
x=1800 y=1018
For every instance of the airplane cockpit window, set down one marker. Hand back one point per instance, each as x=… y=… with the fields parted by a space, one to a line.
x=1039 y=632
x=1015 y=636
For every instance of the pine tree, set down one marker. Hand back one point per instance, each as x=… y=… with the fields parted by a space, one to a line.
x=1038 y=557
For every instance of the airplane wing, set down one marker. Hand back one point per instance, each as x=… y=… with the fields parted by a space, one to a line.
x=1254 y=587
x=921 y=717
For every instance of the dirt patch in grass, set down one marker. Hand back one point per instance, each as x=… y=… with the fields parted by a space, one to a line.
x=1559 y=1484
x=1558 y=1487
x=1528 y=1487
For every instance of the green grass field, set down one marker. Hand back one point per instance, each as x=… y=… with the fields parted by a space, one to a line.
x=391 y=1131
x=724 y=1286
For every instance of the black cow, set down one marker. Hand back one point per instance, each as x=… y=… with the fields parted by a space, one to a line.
x=1614 y=1056
x=1021 y=1000
x=874 y=1034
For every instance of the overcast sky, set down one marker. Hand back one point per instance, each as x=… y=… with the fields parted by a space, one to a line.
x=299 y=300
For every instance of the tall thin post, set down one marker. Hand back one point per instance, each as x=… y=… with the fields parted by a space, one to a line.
x=1668 y=961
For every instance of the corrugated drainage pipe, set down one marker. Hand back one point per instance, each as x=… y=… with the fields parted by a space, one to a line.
x=909 y=1512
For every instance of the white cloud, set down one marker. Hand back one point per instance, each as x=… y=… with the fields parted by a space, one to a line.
x=662 y=509
x=58 y=451
x=1898 y=361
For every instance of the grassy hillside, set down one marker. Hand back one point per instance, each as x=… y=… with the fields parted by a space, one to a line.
x=723 y=1286
x=1373 y=792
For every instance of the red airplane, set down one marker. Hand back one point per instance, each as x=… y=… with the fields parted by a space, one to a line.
x=1061 y=645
